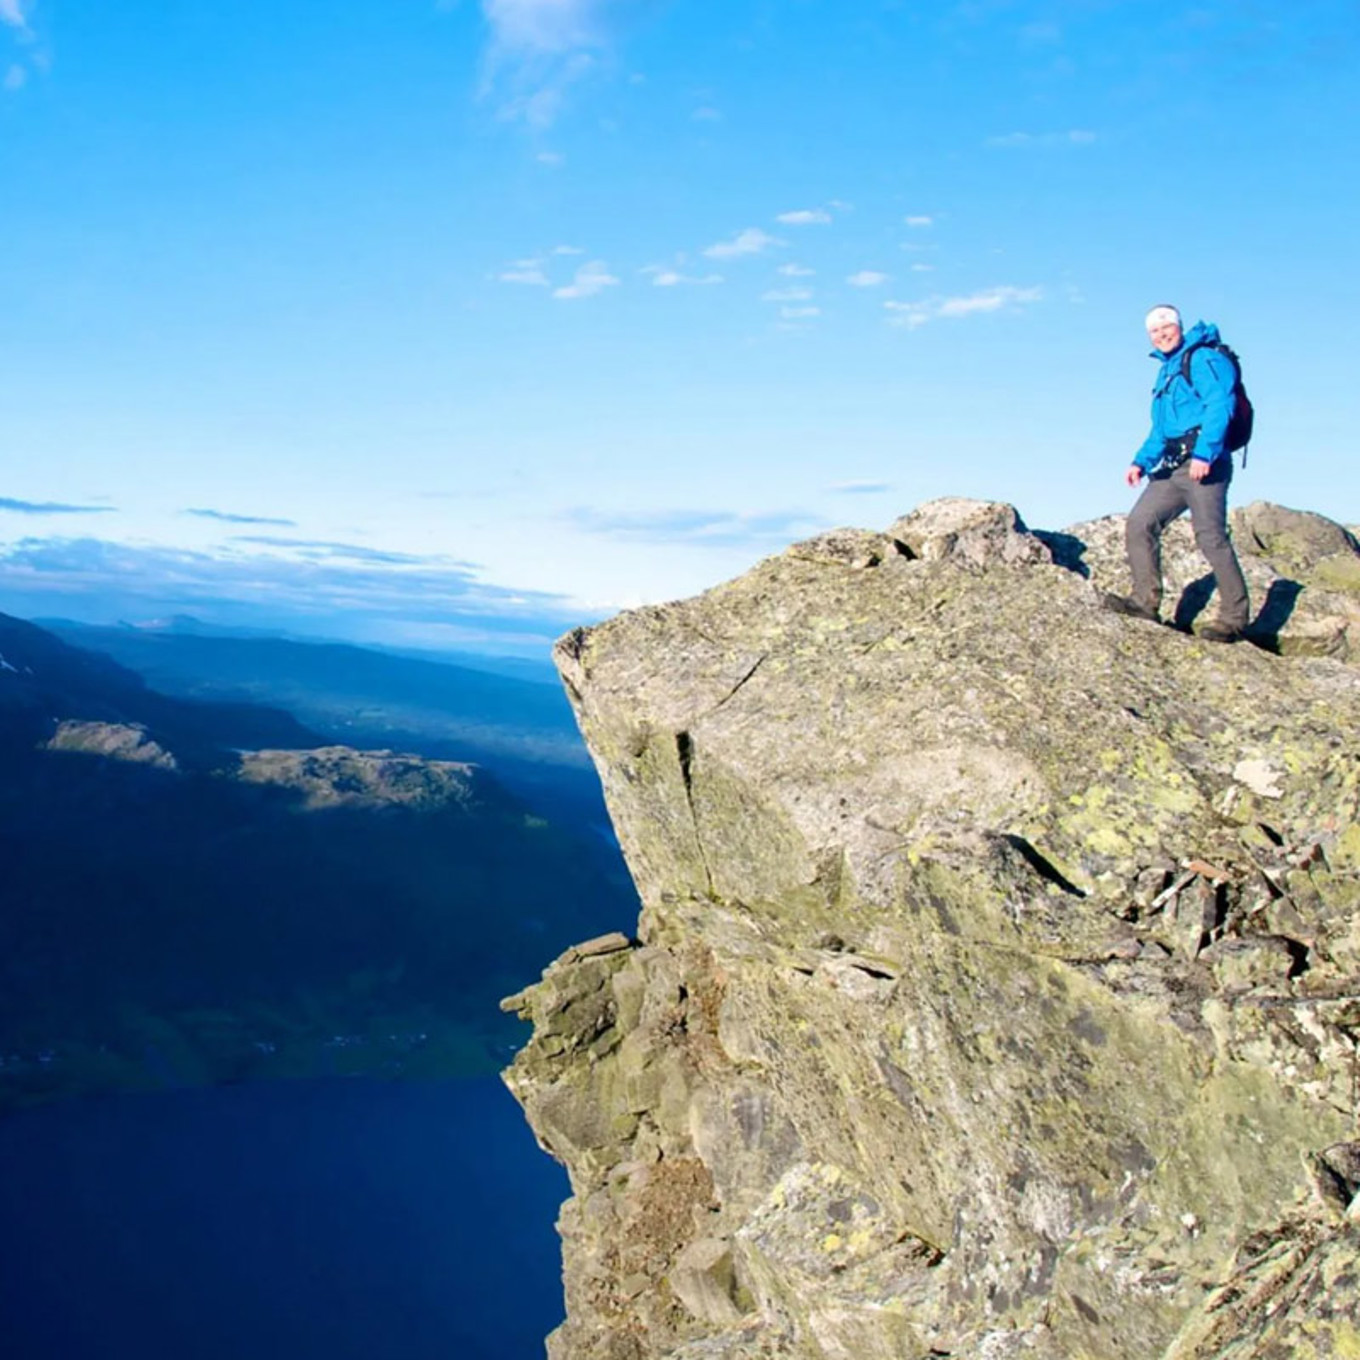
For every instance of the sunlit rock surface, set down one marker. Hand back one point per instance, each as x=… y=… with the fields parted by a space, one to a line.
x=115 y=741
x=997 y=984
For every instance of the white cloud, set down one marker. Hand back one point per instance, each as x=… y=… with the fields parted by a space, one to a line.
x=550 y=158
x=919 y=220
x=525 y=273
x=990 y=300
x=1076 y=137
x=859 y=488
x=536 y=25
x=752 y=241
x=590 y=279
x=15 y=78
x=919 y=268
x=804 y=217
x=799 y=313
x=567 y=250
x=867 y=278
x=706 y=114
x=787 y=295
x=12 y=13
x=538 y=50
x=664 y=277
x=719 y=528
x=908 y=314
x=915 y=314
x=796 y=271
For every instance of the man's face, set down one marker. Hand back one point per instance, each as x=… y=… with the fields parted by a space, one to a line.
x=1165 y=336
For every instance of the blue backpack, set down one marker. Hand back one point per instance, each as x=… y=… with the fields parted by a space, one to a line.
x=1244 y=415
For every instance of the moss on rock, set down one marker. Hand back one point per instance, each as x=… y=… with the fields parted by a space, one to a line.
x=998 y=974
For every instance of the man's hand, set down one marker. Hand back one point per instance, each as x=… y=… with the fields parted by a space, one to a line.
x=1134 y=475
x=1199 y=469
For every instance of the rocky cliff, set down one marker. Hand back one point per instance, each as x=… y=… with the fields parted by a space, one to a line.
x=997 y=985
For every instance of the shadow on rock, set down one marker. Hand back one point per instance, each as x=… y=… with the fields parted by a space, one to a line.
x=1194 y=599
x=1265 y=629
x=1068 y=550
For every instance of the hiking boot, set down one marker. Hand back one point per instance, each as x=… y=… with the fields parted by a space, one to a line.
x=1122 y=604
x=1220 y=632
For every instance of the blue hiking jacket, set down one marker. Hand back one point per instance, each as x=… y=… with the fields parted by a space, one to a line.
x=1205 y=401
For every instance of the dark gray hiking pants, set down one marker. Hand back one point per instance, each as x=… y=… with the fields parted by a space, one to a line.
x=1163 y=499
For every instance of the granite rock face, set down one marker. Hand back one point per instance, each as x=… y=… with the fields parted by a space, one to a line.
x=997 y=985
x=1302 y=570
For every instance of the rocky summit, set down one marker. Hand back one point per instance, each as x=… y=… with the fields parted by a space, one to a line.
x=997 y=985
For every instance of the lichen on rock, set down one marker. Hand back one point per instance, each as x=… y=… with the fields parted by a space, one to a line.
x=997 y=985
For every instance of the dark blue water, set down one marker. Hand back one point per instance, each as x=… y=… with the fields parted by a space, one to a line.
x=328 y=1220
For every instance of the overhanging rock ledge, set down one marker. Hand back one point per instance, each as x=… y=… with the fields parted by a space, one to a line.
x=997 y=984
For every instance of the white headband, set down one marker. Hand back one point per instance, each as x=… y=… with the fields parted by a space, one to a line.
x=1165 y=315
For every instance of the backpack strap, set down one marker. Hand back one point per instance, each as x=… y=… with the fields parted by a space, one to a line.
x=1186 y=359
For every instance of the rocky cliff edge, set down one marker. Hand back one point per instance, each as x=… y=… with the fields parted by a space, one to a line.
x=997 y=984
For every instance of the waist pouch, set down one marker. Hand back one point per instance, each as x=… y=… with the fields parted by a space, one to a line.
x=1176 y=453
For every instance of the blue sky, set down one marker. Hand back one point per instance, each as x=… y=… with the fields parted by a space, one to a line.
x=434 y=322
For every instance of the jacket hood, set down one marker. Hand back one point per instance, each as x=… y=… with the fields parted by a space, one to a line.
x=1201 y=333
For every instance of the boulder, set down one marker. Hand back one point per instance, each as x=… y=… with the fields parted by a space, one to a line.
x=1302 y=572
x=997 y=984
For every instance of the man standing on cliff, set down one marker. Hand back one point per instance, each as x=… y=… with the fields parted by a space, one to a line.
x=1187 y=465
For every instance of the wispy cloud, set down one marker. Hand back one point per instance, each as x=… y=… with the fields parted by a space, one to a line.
x=859 y=488
x=662 y=277
x=12 y=13
x=224 y=517
x=787 y=295
x=867 y=278
x=919 y=220
x=706 y=113
x=15 y=78
x=529 y=273
x=320 y=549
x=804 y=217
x=52 y=508
x=752 y=241
x=708 y=528
x=915 y=314
x=799 y=313
x=550 y=158
x=796 y=271
x=538 y=25
x=1076 y=137
x=336 y=589
x=590 y=279
x=989 y=300
x=568 y=250
x=538 y=50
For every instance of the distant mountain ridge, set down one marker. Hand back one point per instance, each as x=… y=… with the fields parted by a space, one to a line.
x=339 y=685
x=43 y=678
x=522 y=731
x=201 y=891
